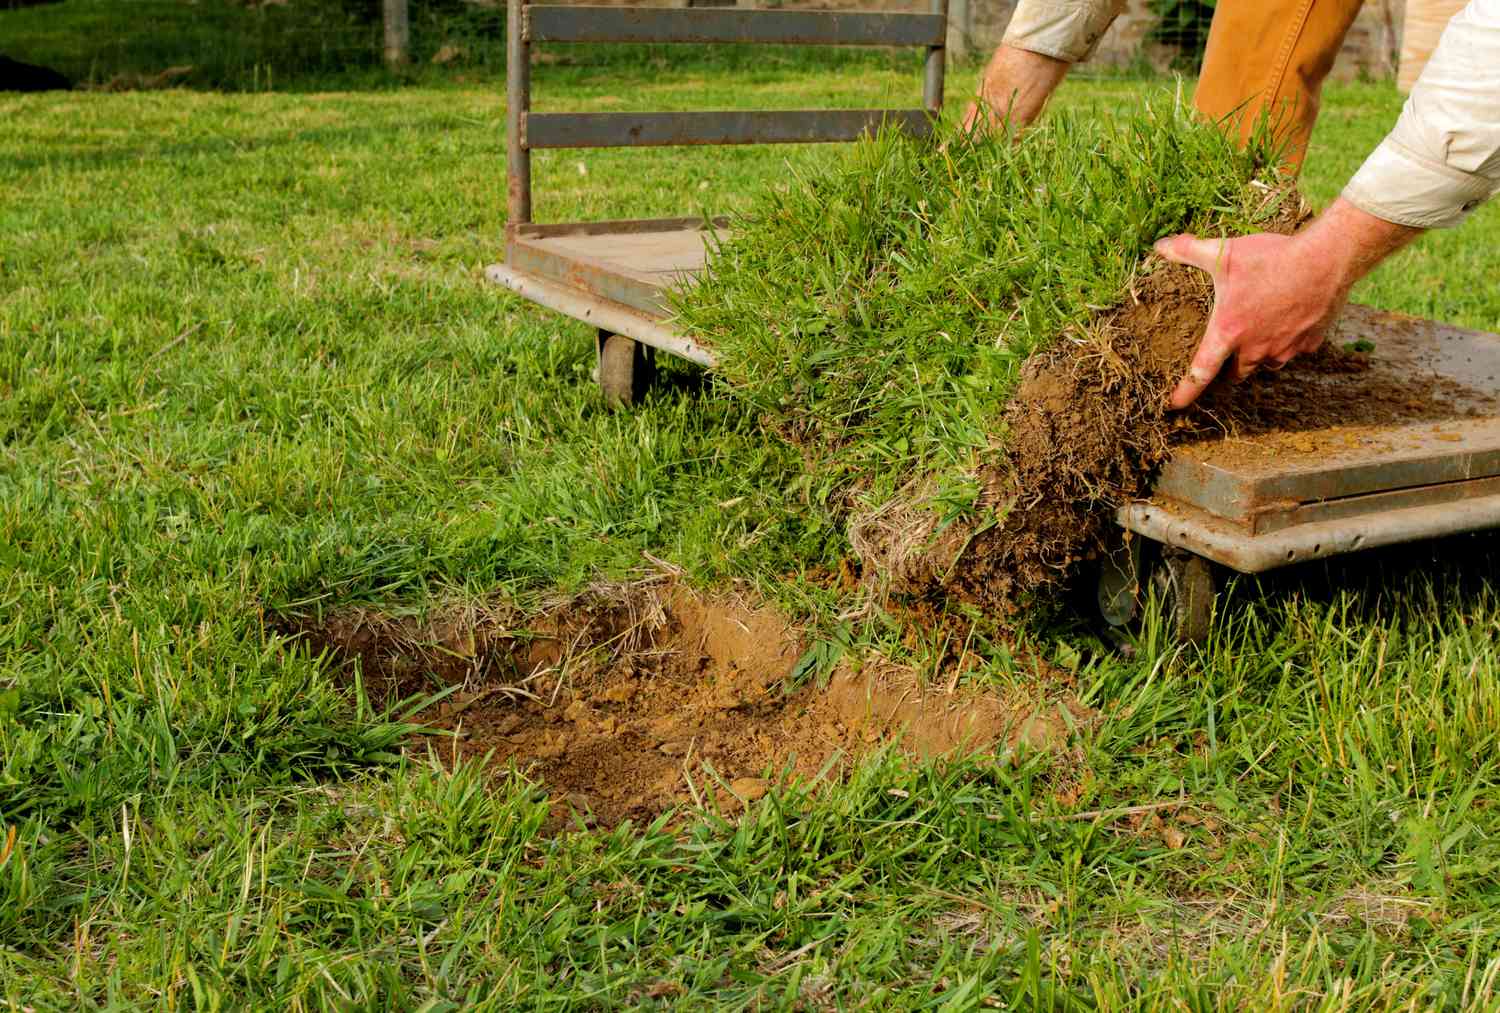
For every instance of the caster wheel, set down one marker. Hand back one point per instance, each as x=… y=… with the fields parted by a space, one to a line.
x=625 y=371
x=1130 y=570
x=1184 y=583
x=1118 y=581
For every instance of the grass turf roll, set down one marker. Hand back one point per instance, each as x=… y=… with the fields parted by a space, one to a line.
x=968 y=335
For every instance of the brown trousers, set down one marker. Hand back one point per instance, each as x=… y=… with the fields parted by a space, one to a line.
x=1268 y=58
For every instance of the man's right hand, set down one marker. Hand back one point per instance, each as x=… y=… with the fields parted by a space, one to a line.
x=1276 y=296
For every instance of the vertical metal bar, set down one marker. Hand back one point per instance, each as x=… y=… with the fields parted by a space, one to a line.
x=517 y=103
x=397 y=33
x=932 y=80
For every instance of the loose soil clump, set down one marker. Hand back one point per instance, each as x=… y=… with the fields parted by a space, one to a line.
x=1086 y=430
x=627 y=702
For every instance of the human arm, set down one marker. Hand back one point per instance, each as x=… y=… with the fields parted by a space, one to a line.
x=1042 y=41
x=1014 y=89
x=1275 y=296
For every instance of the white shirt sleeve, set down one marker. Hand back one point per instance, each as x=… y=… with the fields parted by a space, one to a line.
x=1442 y=159
x=1062 y=29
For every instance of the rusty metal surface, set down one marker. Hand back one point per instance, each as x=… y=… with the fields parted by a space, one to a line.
x=936 y=64
x=1375 y=502
x=550 y=23
x=622 y=226
x=792 y=126
x=633 y=267
x=1449 y=432
x=517 y=102
x=601 y=313
x=1215 y=538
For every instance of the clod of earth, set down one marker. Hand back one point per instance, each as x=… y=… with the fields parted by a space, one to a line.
x=629 y=701
x=976 y=346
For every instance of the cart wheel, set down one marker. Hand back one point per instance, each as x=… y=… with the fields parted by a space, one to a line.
x=1118 y=576
x=625 y=369
x=1115 y=588
x=1185 y=585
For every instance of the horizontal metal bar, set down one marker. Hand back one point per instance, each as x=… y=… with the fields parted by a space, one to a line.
x=1213 y=538
x=549 y=23
x=619 y=227
x=611 y=317
x=1351 y=507
x=590 y=277
x=626 y=130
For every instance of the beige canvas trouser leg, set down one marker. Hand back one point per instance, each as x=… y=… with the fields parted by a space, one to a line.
x=1269 y=58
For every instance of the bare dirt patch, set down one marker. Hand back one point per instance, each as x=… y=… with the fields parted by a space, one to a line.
x=628 y=701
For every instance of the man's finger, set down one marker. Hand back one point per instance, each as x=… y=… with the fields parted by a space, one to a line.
x=1205 y=254
x=1243 y=367
x=1212 y=353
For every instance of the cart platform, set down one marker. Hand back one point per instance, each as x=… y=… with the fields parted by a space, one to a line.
x=1410 y=449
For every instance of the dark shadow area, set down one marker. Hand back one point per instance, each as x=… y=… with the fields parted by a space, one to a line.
x=1460 y=570
x=1372 y=588
x=18 y=76
x=676 y=378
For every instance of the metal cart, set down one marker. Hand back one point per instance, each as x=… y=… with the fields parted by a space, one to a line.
x=1250 y=502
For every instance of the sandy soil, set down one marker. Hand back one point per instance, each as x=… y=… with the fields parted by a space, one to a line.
x=628 y=702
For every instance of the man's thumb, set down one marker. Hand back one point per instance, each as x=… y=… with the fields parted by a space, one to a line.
x=1205 y=254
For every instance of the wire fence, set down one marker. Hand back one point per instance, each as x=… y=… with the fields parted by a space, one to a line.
x=240 y=44
x=266 y=44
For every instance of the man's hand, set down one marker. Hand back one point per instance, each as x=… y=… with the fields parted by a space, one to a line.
x=1276 y=296
x=1270 y=303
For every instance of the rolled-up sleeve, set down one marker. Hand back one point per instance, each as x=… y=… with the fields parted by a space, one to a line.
x=1442 y=159
x=1062 y=29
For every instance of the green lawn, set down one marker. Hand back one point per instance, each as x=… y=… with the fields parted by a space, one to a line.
x=248 y=368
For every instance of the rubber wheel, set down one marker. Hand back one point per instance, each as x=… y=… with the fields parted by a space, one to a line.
x=1184 y=584
x=1116 y=578
x=625 y=370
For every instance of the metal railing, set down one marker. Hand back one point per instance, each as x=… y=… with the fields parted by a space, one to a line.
x=528 y=23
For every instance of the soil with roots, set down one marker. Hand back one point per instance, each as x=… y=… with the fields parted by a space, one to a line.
x=1086 y=430
x=628 y=701
x=1089 y=427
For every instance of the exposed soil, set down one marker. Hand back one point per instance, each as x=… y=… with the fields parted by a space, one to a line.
x=1337 y=400
x=1087 y=428
x=627 y=702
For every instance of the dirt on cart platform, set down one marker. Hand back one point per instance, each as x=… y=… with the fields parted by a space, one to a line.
x=628 y=701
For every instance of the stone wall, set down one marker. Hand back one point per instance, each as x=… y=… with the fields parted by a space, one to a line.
x=1370 y=50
